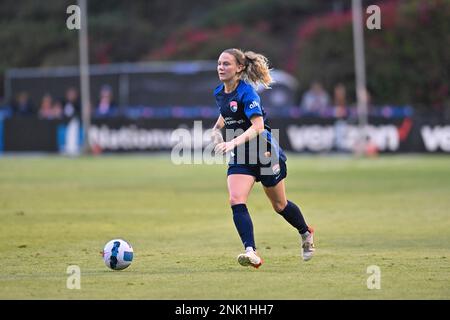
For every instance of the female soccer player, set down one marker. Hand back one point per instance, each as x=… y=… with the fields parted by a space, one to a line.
x=242 y=114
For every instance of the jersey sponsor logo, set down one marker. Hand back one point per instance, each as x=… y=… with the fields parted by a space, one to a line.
x=254 y=104
x=233 y=106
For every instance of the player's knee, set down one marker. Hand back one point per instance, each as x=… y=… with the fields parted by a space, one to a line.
x=279 y=206
x=237 y=200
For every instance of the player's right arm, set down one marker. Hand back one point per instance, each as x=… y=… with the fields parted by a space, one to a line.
x=216 y=135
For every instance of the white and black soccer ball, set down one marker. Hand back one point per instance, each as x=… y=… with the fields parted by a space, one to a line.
x=118 y=254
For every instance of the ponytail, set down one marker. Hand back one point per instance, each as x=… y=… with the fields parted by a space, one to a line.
x=256 y=67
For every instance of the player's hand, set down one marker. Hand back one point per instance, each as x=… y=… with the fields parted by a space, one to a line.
x=225 y=147
x=216 y=137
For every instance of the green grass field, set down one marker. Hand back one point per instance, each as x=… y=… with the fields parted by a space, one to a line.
x=392 y=212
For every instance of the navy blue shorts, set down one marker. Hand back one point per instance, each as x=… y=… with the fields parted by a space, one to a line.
x=268 y=175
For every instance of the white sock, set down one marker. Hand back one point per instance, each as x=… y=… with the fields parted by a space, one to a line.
x=305 y=235
x=249 y=249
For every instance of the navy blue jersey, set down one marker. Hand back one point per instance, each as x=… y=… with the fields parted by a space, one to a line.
x=237 y=108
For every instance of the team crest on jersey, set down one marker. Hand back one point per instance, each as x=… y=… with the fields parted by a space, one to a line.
x=233 y=106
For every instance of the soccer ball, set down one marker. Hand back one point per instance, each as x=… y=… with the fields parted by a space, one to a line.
x=117 y=254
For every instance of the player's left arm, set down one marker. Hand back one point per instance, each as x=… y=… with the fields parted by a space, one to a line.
x=255 y=129
x=253 y=111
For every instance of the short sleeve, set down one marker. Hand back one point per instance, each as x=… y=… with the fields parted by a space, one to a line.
x=252 y=104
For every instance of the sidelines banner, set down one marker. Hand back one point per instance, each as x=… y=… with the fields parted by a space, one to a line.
x=327 y=136
x=30 y=134
x=311 y=135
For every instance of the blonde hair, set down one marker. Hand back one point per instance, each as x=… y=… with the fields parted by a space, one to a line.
x=256 y=67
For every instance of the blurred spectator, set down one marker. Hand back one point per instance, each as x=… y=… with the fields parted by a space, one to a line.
x=368 y=98
x=340 y=101
x=45 y=109
x=106 y=106
x=50 y=109
x=57 y=108
x=71 y=103
x=340 y=113
x=22 y=105
x=315 y=100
